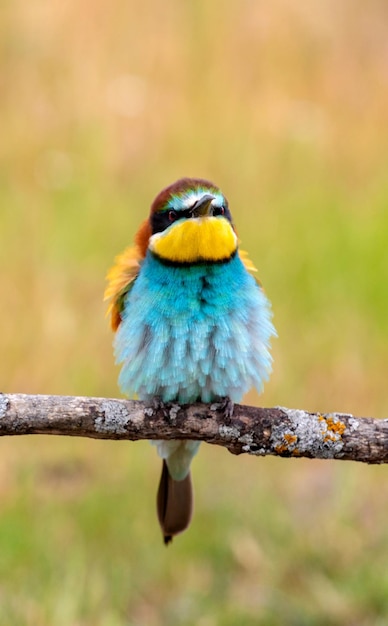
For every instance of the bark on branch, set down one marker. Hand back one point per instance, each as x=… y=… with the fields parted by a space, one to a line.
x=278 y=431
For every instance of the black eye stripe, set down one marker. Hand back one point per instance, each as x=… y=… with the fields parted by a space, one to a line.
x=185 y=213
x=163 y=219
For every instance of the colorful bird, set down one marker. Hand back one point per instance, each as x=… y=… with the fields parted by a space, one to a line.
x=191 y=322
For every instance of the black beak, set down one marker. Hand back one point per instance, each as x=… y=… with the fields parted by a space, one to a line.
x=203 y=206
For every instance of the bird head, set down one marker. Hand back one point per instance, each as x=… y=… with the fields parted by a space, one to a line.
x=189 y=222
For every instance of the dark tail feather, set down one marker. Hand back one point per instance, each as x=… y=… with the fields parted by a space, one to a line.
x=174 y=504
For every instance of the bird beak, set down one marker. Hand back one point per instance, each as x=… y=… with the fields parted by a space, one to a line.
x=203 y=206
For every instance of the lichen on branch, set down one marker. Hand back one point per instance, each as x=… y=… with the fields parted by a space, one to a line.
x=277 y=431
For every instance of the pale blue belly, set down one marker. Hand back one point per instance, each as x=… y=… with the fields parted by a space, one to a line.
x=194 y=333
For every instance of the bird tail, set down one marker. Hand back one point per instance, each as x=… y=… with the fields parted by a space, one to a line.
x=174 y=504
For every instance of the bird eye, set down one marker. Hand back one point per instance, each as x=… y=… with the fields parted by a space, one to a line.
x=219 y=210
x=172 y=216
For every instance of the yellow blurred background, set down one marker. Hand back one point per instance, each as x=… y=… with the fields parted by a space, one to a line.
x=284 y=105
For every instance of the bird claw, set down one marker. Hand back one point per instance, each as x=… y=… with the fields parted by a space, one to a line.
x=159 y=405
x=227 y=406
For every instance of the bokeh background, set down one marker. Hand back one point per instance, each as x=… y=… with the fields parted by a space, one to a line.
x=285 y=106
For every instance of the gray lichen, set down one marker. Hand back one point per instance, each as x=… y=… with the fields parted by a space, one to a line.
x=319 y=435
x=229 y=432
x=250 y=447
x=232 y=433
x=114 y=419
x=353 y=424
x=247 y=439
x=173 y=412
x=4 y=403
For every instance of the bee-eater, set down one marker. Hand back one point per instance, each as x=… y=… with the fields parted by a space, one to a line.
x=191 y=322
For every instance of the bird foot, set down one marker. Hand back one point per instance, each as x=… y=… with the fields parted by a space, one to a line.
x=159 y=405
x=227 y=406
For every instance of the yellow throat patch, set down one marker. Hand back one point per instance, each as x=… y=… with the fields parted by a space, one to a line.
x=195 y=239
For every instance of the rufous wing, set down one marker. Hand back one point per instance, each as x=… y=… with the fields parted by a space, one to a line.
x=120 y=280
x=248 y=264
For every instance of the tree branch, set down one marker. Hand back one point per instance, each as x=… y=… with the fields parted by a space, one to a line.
x=278 y=431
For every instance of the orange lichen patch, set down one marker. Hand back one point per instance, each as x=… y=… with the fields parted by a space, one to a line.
x=281 y=448
x=336 y=426
x=289 y=442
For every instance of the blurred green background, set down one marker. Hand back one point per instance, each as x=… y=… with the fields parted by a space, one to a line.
x=285 y=106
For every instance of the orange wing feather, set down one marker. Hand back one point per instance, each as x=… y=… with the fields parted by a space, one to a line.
x=120 y=277
x=248 y=264
x=246 y=261
x=123 y=273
